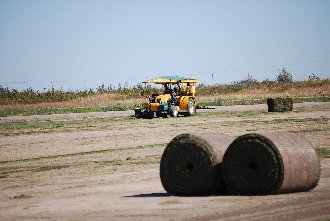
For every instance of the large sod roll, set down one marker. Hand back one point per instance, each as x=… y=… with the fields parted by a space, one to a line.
x=191 y=164
x=270 y=163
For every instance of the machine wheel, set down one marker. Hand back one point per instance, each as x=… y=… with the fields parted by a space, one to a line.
x=148 y=114
x=174 y=111
x=191 y=106
x=161 y=115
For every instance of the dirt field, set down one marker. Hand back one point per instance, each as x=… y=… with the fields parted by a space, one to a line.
x=105 y=166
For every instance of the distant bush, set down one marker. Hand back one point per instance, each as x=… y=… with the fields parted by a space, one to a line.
x=248 y=81
x=284 y=76
x=313 y=77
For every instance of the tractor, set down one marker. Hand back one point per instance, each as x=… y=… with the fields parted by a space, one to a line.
x=178 y=99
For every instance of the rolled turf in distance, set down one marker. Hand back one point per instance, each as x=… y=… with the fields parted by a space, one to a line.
x=191 y=164
x=279 y=104
x=270 y=163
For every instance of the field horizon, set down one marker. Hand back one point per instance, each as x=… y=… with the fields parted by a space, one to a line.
x=30 y=102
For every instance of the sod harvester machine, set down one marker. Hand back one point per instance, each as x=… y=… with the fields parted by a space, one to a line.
x=178 y=98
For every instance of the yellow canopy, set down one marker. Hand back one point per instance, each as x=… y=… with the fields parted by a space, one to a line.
x=189 y=81
x=169 y=80
x=160 y=81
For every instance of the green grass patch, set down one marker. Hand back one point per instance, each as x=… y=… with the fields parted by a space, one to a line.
x=252 y=113
x=230 y=102
x=84 y=153
x=310 y=130
x=11 y=168
x=37 y=168
x=56 y=126
x=127 y=162
x=255 y=123
x=323 y=152
x=311 y=99
x=48 y=111
x=51 y=167
x=278 y=121
x=19 y=125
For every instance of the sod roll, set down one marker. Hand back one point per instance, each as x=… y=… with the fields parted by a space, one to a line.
x=270 y=163
x=191 y=164
x=279 y=104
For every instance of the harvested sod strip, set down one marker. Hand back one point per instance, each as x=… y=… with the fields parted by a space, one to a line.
x=279 y=104
x=270 y=163
x=191 y=164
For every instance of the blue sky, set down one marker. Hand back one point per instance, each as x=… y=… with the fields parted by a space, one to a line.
x=82 y=44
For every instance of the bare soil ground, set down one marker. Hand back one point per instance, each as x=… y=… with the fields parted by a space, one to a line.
x=105 y=166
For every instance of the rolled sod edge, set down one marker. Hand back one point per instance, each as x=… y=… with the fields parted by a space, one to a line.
x=218 y=144
x=190 y=164
x=302 y=168
x=297 y=163
x=240 y=165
